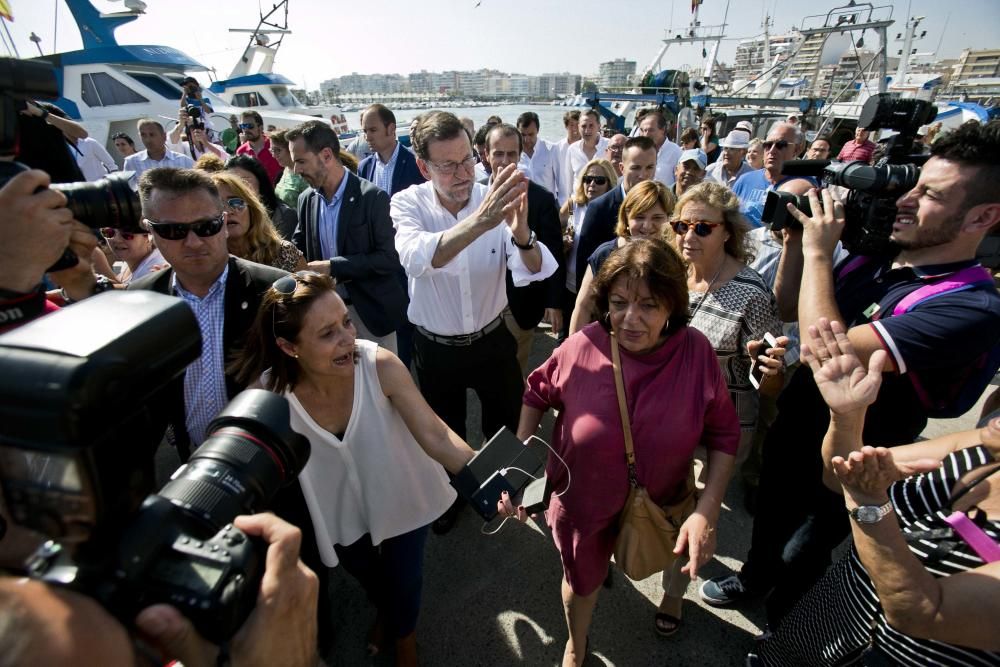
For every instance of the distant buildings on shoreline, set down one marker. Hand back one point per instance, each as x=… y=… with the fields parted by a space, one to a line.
x=975 y=75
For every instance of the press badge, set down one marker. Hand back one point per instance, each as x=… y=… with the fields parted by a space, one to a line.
x=871 y=310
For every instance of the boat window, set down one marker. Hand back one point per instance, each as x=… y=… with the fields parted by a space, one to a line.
x=248 y=100
x=165 y=89
x=285 y=97
x=102 y=90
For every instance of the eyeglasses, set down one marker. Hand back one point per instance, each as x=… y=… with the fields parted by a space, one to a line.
x=247 y=126
x=595 y=180
x=780 y=145
x=235 y=204
x=110 y=232
x=178 y=231
x=449 y=168
x=701 y=227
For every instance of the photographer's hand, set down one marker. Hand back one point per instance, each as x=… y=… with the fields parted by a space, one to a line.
x=282 y=628
x=78 y=280
x=821 y=231
x=35 y=231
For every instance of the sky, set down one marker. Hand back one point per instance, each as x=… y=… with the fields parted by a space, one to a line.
x=331 y=39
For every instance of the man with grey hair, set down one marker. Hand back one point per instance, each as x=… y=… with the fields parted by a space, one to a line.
x=725 y=171
x=456 y=240
x=154 y=138
x=783 y=142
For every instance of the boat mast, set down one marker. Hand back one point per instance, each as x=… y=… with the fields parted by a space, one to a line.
x=261 y=43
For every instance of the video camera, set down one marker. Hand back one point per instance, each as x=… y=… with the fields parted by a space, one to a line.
x=870 y=208
x=79 y=391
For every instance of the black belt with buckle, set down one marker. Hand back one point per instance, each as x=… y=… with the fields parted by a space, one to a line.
x=461 y=340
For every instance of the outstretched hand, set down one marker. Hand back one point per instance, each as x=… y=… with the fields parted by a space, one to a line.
x=503 y=199
x=867 y=474
x=840 y=376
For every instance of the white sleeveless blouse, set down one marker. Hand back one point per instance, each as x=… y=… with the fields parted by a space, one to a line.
x=377 y=479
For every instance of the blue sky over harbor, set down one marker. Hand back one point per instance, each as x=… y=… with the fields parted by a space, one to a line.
x=331 y=39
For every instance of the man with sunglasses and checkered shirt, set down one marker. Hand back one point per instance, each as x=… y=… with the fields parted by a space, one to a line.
x=782 y=143
x=257 y=144
x=182 y=209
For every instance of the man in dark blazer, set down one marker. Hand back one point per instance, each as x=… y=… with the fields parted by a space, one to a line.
x=529 y=304
x=391 y=166
x=638 y=165
x=225 y=293
x=345 y=231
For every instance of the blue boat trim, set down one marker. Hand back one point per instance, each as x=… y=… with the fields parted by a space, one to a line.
x=251 y=80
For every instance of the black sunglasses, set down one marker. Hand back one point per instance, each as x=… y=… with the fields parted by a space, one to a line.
x=111 y=232
x=701 y=227
x=781 y=145
x=177 y=231
x=595 y=180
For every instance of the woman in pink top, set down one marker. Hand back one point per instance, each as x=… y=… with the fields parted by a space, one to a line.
x=677 y=399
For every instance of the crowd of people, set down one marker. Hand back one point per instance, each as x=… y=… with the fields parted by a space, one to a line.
x=374 y=293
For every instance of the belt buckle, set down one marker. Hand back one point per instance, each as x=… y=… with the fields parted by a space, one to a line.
x=462 y=339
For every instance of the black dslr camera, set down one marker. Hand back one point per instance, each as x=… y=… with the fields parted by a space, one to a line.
x=79 y=396
x=870 y=208
x=109 y=202
x=194 y=112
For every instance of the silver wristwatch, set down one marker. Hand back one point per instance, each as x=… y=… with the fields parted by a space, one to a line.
x=869 y=514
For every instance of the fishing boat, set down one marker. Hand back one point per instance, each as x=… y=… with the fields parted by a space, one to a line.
x=108 y=87
x=253 y=83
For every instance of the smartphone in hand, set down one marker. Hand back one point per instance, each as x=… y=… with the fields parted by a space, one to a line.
x=757 y=375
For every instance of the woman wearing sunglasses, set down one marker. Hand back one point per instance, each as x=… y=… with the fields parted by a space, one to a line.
x=136 y=249
x=730 y=303
x=375 y=479
x=283 y=217
x=643 y=215
x=596 y=178
x=251 y=235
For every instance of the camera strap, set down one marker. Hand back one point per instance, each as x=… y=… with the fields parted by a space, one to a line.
x=16 y=309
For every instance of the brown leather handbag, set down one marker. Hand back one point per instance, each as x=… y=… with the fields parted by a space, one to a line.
x=647 y=533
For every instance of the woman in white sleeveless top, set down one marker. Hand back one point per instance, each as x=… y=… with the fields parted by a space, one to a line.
x=376 y=476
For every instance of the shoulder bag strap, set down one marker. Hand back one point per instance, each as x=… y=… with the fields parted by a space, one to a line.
x=616 y=361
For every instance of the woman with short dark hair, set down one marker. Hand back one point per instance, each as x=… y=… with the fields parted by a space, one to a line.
x=641 y=292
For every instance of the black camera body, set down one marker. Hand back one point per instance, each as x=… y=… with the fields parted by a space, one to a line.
x=194 y=112
x=109 y=202
x=83 y=478
x=870 y=207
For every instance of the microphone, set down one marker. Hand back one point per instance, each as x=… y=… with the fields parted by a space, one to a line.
x=804 y=167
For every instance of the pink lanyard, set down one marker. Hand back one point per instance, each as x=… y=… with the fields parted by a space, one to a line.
x=974 y=536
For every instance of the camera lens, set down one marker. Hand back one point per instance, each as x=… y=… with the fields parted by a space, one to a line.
x=250 y=453
x=109 y=202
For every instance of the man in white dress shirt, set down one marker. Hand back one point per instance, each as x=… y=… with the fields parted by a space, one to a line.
x=563 y=182
x=536 y=154
x=456 y=239
x=591 y=146
x=154 y=138
x=653 y=124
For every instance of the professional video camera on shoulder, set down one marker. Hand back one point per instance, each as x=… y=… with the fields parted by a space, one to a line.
x=870 y=208
x=109 y=202
x=78 y=396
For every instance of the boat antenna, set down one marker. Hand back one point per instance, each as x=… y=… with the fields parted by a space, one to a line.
x=55 y=26
x=8 y=39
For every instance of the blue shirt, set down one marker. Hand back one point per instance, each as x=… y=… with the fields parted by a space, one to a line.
x=329 y=216
x=384 y=171
x=205 y=379
x=752 y=190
